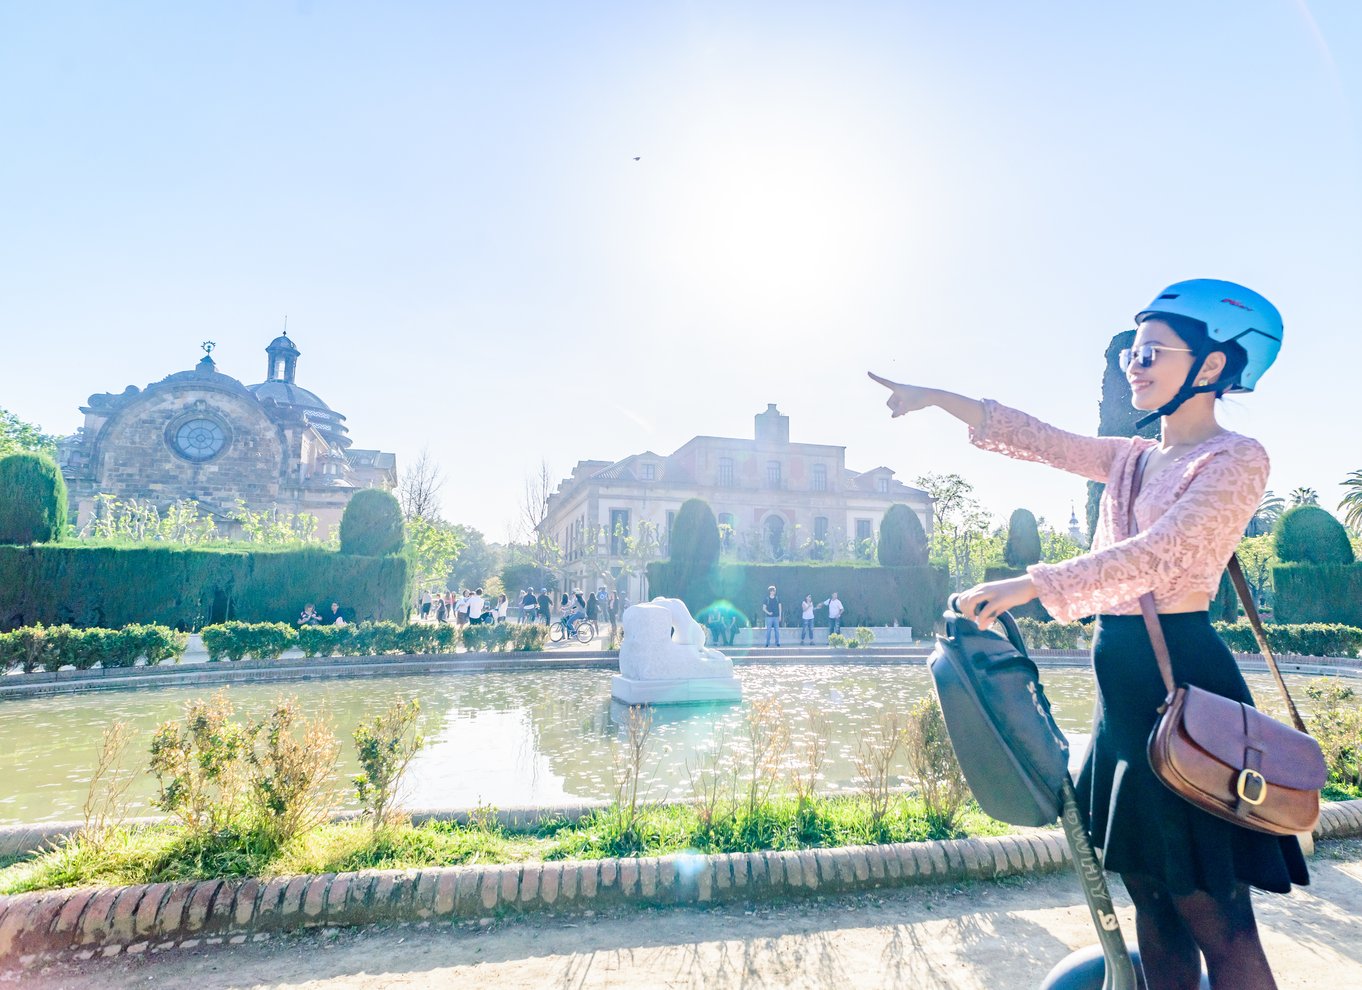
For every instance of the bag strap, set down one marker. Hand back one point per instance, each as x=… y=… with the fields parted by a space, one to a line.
x=1241 y=587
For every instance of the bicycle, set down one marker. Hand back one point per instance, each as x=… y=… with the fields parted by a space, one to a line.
x=584 y=631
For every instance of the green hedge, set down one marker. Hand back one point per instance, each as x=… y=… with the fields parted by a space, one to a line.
x=184 y=587
x=1317 y=593
x=874 y=596
x=50 y=648
x=268 y=640
x=1311 y=639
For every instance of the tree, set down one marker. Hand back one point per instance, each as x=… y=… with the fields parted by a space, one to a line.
x=432 y=546
x=1256 y=555
x=1269 y=510
x=694 y=552
x=1307 y=534
x=476 y=562
x=372 y=524
x=32 y=499
x=902 y=540
x=17 y=436
x=1351 y=506
x=418 y=493
x=1116 y=417
x=960 y=527
x=534 y=509
x=1304 y=496
x=1023 y=541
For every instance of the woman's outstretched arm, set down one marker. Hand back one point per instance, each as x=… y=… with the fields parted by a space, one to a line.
x=993 y=426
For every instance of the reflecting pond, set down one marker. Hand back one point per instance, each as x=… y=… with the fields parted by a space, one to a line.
x=542 y=737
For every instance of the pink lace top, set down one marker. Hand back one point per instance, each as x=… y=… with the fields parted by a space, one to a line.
x=1191 y=513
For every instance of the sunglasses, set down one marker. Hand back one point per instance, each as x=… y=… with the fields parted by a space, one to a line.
x=1146 y=354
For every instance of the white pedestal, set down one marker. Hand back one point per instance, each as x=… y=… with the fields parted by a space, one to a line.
x=677 y=691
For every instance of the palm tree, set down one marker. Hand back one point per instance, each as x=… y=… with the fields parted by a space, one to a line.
x=1304 y=496
x=1266 y=515
x=1351 y=506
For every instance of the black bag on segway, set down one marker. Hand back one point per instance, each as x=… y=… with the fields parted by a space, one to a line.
x=1014 y=756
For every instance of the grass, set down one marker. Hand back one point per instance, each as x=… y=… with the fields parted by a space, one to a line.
x=166 y=852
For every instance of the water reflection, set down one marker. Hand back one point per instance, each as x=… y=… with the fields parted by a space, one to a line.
x=545 y=737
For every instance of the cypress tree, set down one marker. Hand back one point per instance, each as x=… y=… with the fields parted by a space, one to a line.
x=1023 y=540
x=371 y=525
x=1308 y=534
x=1116 y=416
x=32 y=499
x=902 y=541
x=694 y=552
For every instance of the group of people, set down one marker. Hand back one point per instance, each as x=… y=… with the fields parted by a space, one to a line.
x=464 y=607
x=773 y=612
x=573 y=607
x=311 y=617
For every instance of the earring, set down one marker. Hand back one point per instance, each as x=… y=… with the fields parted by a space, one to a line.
x=1202 y=382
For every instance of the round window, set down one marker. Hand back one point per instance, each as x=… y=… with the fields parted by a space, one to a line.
x=200 y=439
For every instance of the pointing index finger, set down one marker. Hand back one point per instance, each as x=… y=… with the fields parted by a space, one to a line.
x=883 y=381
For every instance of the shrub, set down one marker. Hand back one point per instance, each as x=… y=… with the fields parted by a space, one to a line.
x=837 y=641
x=371 y=525
x=319 y=641
x=1052 y=635
x=694 y=552
x=902 y=543
x=863 y=636
x=291 y=760
x=1309 y=593
x=238 y=640
x=199 y=765
x=1307 y=534
x=180 y=587
x=27 y=648
x=1023 y=540
x=528 y=639
x=32 y=499
x=385 y=746
x=1336 y=724
x=935 y=772
x=1313 y=639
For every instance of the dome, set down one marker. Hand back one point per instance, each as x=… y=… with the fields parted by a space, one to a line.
x=205 y=372
x=282 y=343
x=289 y=394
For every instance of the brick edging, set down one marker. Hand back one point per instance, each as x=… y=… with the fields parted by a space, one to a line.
x=157 y=917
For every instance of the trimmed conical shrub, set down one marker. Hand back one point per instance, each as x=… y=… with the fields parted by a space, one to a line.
x=902 y=543
x=1023 y=540
x=32 y=499
x=1308 y=534
x=372 y=524
x=694 y=551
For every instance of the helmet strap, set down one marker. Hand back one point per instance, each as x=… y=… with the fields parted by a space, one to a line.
x=1189 y=388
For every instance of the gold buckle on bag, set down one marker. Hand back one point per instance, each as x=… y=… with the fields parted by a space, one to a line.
x=1254 y=779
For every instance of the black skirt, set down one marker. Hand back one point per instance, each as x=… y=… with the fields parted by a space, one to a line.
x=1139 y=824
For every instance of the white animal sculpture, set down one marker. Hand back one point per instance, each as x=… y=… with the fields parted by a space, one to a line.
x=663 y=642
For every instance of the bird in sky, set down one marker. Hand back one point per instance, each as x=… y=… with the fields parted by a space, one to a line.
x=637 y=157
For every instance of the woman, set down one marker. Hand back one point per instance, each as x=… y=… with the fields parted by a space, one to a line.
x=806 y=620
x=1187 y=872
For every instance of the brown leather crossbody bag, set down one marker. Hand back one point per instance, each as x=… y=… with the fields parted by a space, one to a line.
x=1226 y=757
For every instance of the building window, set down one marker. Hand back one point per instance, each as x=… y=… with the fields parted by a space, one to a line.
x=727 y=526
x=671 y=518
x=865 y=538
x=773 y=474
x=619 y=531
x=725 y=472
x=649 y=472
x=882 y=484
x=820 y=478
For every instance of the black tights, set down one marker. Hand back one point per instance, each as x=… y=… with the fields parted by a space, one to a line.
x=1175 y=931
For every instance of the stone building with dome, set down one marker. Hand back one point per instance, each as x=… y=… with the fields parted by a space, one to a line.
x=203 y=435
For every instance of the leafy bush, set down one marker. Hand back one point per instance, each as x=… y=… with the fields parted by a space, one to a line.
x=903 y=542
x=528 y=639
x=935 y=772
x=199 y=766
x=1023 y=540
x=32 y=499
x=371 y=525
x=1313 y=639
x=385 y=745
x=291 y=759
x=1336 y=724
x=238 y=640
x=863 y=636
x=1307 y=593
x=53 y=647
x=1307 y=534
x=181 y=587
x=837 y=641
x=694 y=552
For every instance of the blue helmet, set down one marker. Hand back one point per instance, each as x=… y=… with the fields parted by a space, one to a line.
x=1231 y=312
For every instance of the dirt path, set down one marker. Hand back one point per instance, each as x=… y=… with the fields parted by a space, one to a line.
x=987 y=935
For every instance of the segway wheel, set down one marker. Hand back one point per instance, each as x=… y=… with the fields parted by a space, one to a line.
x=1086 y=969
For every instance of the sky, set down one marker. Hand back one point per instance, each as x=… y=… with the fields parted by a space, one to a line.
x=517 y=233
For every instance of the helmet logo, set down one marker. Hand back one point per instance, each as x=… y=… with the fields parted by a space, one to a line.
x=1234 y=302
